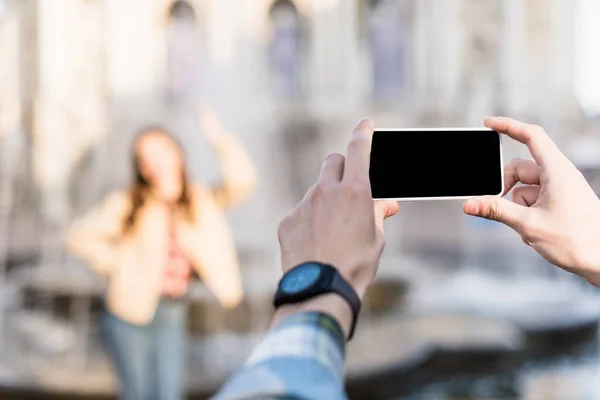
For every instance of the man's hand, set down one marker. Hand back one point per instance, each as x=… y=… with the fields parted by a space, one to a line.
x=338 y=223
x=556 y=212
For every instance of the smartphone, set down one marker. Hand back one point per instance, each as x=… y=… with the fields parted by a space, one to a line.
x=436 y=164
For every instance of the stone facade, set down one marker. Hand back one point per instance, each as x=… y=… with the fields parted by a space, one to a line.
x=290 y=78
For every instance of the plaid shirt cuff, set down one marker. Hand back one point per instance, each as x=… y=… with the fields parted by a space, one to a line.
x=311 y=335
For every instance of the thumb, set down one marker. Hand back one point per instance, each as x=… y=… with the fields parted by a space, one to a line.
x=496 y=209
x=383 y=210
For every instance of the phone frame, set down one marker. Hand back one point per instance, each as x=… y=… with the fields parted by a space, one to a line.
x=446 y=130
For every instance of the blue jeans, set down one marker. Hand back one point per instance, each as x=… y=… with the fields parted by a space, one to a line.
x=150 y=359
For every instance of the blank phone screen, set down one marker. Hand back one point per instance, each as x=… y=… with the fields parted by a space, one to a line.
x=435 y=163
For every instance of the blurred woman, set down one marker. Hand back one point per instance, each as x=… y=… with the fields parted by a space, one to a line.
x=148 y=241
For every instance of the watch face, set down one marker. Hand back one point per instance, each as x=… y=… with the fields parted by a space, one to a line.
x=300 y=278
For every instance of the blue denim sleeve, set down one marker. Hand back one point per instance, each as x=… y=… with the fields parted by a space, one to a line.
x=301 y=358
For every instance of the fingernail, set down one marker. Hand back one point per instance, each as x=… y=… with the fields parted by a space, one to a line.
x=364 y=129
x=362 y=121
x=365 y=123
x=331 y=156
x=472 y=207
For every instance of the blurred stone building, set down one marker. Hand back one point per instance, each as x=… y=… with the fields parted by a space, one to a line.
x=288 y=77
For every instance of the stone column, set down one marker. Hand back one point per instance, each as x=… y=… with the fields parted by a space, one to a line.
x=69 y=109
x=550 y=57
x=10 y=123
x=10 y=95
x=587 y=55
x=134 y=45
x=222 y=31
x=90 y=106
x=53 y=131
x=333 y=56
x=538 y=48
x=437 y=53
x=482 y=25
x=421 y=57
x=562 y=103
x=512 y=58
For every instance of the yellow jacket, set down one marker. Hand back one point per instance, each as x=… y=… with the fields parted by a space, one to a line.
x=134 y=264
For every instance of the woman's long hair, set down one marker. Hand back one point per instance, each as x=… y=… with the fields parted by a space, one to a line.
x=140 y=189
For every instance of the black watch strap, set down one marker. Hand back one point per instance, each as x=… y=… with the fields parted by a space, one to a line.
x=331 y=282
x=343 y=288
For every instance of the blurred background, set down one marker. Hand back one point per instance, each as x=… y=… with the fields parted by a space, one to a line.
x=461 y=309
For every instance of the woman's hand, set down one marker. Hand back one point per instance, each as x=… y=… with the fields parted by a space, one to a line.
x=210 y=123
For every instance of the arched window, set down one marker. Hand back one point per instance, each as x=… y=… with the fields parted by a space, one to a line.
x=385 y=42
x=285 y=50
x=183 y=51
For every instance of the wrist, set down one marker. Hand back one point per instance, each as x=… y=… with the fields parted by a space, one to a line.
x=356 y=281
x=590 y=271
x=585 y=250
x=331 y=304
x=585 y=258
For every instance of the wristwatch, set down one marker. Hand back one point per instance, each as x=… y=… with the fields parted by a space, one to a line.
x=311 y=279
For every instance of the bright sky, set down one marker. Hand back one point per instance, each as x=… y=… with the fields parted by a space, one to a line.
x=588 y=56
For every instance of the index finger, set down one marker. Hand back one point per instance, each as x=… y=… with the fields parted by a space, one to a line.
x=540 y=145
x=358 y=154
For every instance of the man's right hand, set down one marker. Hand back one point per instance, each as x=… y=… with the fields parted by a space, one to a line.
x=338 y=223
x=556 y=212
